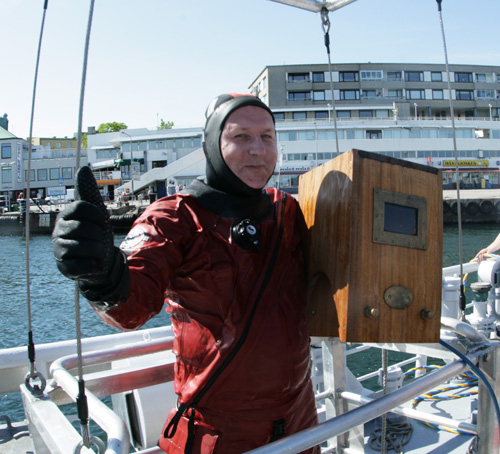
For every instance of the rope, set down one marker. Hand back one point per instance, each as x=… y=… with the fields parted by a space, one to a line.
x=385 y=359
x=457 y=173
x=394 y=434
x=325 y=23
x=398 y=435
x=436 y=395
x=32 y=374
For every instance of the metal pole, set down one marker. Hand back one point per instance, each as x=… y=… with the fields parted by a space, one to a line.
x=131 y=162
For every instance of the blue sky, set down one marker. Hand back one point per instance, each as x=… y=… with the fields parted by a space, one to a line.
x=166 y=59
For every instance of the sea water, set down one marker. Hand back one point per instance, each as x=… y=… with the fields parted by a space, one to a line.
x=52 y=295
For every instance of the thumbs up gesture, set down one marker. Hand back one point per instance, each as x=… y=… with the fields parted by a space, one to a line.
x=84 y=248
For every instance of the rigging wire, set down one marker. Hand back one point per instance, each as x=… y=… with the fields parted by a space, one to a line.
x=325 y=23
x=462 y=301
x=35 y=390
x=81 y=400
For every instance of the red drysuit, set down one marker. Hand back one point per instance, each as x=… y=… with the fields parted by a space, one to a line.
x=181 y=251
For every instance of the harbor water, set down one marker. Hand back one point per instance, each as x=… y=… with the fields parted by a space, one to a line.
x=52 y=295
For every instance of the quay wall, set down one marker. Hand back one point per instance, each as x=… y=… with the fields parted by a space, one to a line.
x=477 y=206
x=14 y=224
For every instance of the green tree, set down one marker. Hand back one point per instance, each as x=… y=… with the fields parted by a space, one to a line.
x=166 y=124
x=111 y=127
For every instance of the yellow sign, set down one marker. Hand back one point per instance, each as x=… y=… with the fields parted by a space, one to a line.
x=471 y=163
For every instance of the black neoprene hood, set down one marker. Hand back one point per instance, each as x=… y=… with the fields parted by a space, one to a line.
x=219 y=175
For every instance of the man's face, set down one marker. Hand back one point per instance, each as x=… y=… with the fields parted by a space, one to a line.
x=248 y=145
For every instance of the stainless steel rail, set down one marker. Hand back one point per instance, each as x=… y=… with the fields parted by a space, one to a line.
x=334 y=427
x=109 y=421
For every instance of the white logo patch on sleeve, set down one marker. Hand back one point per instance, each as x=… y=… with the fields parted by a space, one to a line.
x=133 y=240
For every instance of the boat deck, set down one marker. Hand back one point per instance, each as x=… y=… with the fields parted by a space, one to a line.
x=15 y=438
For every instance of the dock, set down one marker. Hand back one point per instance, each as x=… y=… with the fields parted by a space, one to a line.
x=43 y=218
x=477 y=205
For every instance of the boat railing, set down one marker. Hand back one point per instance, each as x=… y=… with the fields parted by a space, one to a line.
x=337 y=426
x=108 y=420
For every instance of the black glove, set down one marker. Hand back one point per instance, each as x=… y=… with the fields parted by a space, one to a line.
x=84 y=248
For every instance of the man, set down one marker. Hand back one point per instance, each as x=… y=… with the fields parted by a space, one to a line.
x=226 y=255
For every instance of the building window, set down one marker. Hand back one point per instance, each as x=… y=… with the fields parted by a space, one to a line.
x=437 y=94
x=299 y=96
x=395 y=93
x=436 y=76
x=371 y=75
x=299 y=115
x=319 y=95
x=485 y=94
x=67 y=173
x=197 y=142
x=465 y=95
x=382 y=113
x=58 y=144
x=415 y=94
x=414 y=76
x=7 y=174
x=6 y=151
x=326 y=135
x=343 y=114
x=54 y=174
x=349 y=95
x=319 y=77
x=366 y=114
x=349 y=76
x=279 y=115
x=69 y=145
x=463 y=77
x=32 y=174
x=321 y=115
x=298 y=77
x=306 y=135
x=480 y=77
x=41 y=174
x=374 y=134
x=394 y=75
x=368 y=94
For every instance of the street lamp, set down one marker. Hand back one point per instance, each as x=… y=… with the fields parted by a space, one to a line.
x=131 y=162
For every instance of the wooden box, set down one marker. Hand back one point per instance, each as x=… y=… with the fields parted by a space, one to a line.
x=373 y=249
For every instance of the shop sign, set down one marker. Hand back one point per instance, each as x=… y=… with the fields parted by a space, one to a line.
x=298 y=168
x=471 y=163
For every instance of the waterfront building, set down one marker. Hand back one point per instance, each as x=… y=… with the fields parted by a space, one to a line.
x=395 y=109
x=53 y=163
x=398 y=110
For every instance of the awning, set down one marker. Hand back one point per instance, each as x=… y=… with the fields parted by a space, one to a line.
x=126 y=162
x=104 y=164
x=108 y=182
